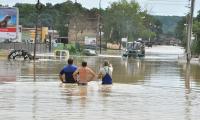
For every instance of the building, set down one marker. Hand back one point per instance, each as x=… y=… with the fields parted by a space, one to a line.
x=79 y=28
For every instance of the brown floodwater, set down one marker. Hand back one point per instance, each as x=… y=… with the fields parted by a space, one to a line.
x=156 y=87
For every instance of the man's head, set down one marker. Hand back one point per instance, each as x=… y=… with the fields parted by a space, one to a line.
x=106 y=63
x=84 y=63
x=70 y=61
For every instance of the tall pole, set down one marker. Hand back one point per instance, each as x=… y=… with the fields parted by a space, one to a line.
x=190 y=22
x=38 y=7
x=50 y=37
x=36 y=34
x=100 y=26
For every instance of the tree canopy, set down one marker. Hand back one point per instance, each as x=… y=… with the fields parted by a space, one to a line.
x=181 y=32
x=124 y=19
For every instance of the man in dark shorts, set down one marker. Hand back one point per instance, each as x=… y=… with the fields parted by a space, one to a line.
x=84 y=74
x=66 y=74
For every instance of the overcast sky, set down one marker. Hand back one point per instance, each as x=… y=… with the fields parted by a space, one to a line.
x=155 y=7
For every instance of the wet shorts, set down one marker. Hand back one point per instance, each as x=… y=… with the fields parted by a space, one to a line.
x=82 y=84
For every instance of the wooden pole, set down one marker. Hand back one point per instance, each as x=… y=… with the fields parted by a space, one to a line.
x=190 y=22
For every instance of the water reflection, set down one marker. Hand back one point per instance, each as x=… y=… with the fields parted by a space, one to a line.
x=34 y=72
x=75 y=90
x=105 y=91
x=188 y=105
x=194 y=72
x=8 y=72
x=35 y=101
x=187 y=95
x=187 y=78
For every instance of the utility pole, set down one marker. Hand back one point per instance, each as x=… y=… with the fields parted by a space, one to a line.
x=100 y=26
x=39 y=8
x=190 y=22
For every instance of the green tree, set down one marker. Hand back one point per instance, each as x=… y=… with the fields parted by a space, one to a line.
x=124 y=19
x=196 y=33
x=181 y=31
x=27 y=14
x=120 y=20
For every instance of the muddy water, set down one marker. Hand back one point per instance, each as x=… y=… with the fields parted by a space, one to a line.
x=156 y=87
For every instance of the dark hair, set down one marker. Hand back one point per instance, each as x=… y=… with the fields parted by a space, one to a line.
x=7 y=17
x=70 y=61
x=106 y=63
x=84 y=63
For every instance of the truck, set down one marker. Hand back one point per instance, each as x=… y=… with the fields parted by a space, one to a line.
x=134 y=49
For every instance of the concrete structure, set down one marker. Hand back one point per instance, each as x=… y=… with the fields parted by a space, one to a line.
x=80 y=28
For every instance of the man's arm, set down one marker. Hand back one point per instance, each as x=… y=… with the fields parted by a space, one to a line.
x=61 y=78
x=111 y=68
x=61 y=75
x=92 y=73
x=75 y=74
x=99 y=76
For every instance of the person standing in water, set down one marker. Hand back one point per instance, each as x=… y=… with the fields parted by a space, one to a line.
x=66 y=74
x=105 y=73
x=84 y=74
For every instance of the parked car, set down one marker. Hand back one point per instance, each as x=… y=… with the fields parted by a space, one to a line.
x=89 y=52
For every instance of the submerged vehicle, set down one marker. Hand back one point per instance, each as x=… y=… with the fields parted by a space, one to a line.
x=89 y=50
x=134 y=49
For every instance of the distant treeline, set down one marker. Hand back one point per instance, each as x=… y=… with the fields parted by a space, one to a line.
x=169 y=23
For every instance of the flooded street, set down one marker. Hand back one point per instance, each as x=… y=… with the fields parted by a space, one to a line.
x=156 y=87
